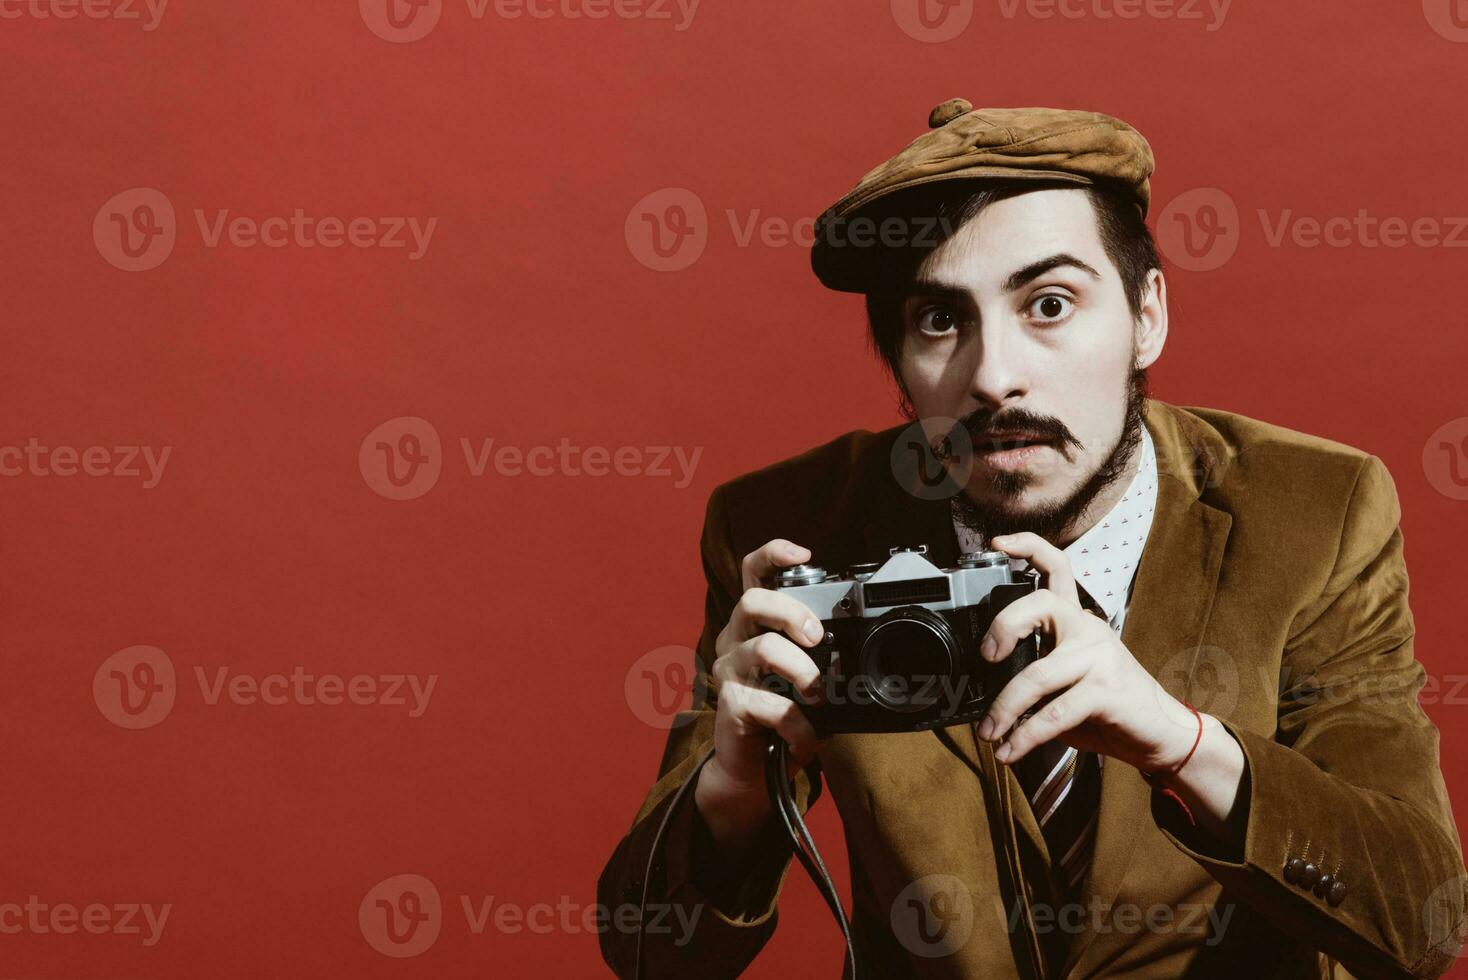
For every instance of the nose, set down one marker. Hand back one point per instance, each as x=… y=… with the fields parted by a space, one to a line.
x=1002 y=374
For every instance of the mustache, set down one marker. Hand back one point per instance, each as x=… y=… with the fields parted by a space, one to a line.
x=983 y=427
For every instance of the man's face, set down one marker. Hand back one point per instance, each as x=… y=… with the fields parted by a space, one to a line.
x=1019 y=327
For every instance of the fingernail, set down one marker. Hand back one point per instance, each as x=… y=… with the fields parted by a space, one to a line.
x=813 y=630
x=986 y=729
x=988 y=649
x=1003 y=754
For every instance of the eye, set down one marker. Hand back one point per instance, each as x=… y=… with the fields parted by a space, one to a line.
x=1051 y=307
x=938 y=320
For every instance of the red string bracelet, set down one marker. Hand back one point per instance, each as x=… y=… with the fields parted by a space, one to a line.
x=1151 y=777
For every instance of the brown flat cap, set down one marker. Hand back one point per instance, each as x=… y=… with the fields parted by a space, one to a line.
x=964 y=143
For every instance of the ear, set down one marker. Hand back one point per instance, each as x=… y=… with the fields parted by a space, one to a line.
x=1151 y=327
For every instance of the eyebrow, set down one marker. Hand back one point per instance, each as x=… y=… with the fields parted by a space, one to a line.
x=1017 y=279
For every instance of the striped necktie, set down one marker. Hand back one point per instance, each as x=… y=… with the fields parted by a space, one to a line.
x=1063 y=786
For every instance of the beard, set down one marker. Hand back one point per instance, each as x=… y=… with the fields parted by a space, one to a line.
x=1001 y=512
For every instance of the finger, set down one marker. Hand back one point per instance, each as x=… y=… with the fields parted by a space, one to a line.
x=1042 y=610
x=771 y=653
x=753 y=710
x=763 y=561
x=1049 y=560
x=1071 y=709
x=762 y=609
x=799 y=760
x=1056 y=672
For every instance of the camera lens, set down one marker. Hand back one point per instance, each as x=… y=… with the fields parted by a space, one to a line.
x=909 y=659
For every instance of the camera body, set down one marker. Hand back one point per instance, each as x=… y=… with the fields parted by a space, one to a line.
x=901 y=647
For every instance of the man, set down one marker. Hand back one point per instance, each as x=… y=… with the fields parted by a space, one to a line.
x=1218 y=769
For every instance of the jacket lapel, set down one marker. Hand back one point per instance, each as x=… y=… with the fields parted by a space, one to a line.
x=1172 y=598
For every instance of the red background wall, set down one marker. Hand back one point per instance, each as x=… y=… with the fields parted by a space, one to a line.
x=532 y=317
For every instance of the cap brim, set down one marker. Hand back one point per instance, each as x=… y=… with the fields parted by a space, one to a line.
x=846 y=261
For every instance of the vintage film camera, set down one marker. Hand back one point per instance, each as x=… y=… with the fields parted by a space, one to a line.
x=901 y=650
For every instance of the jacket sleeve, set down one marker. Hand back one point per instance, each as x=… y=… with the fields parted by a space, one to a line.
x=1349 y=786
x=700 y=918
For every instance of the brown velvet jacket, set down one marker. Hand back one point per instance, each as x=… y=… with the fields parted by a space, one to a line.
x=1272 y=594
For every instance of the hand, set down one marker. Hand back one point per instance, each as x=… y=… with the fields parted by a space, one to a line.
x=1103 y=699
x=730 y=793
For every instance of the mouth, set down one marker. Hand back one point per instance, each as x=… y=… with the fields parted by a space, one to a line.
x=1002 y=441
x=1011 y=451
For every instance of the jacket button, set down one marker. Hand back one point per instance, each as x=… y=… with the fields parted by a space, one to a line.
x=1292 y=870
x=1323 y=886
x=1337 y=893
x=1309 y=876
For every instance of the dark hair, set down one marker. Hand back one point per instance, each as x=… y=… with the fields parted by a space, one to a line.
x=1124 y=235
